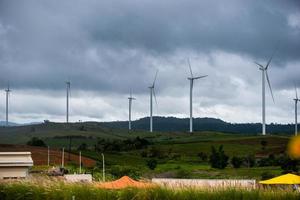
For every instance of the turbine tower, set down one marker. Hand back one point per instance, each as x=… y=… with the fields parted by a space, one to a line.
x=152 y=93
x=191 y=79
x=296 y=112
x=7 y=91
x=68 y=84
x=265 y=76
x=130 y=98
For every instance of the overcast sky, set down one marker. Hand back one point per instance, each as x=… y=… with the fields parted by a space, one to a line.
x=107 y=47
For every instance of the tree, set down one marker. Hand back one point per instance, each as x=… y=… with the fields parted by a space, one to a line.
x=82 y=147
x=250 y=161
x=218 y=159
x=152 y=163
x=36 y=142
x=266 y=175
x=236 y=161
x=203 y=156
x=288 y=165
x=264 y=144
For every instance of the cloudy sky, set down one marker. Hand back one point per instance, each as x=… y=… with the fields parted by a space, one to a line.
x=107 y=47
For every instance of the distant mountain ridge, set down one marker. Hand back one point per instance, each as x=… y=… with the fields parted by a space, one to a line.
x=3 y=123
x=201 y=124
x=173 y=124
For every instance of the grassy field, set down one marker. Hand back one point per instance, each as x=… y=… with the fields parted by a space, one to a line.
x=178 y=151
x=60 y=190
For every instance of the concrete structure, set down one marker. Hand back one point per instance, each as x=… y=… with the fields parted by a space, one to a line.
x=15 y=164
x=205 y=183
x=85 y=178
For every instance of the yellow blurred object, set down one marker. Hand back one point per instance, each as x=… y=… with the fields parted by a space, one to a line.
x=283 y=180
x=294 y=147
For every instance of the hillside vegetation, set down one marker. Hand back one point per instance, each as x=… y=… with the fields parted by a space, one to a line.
x=158 y=154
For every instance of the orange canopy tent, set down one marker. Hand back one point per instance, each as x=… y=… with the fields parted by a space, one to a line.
x=124 y=182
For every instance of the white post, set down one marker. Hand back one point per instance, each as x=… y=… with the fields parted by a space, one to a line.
x=296 y=121
x=103 y=167
x=191 y=105
x=7 y=107
x=7 y=99
x=79 y=162
x=151 y=120
x=63 y=158
x=263 y=104
x=129 y=121
x=67 y=116
x=48 y=156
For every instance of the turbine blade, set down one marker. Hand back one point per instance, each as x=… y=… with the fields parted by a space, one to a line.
x=270 y=85
x=188 y=60
x=200 y=77
x=259 y=64
x=155 y=98
x=296 y=91
x=155 y=78
x=271 y=58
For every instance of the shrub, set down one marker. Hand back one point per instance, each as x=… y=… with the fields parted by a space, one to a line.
x=218 y=159
x=266 y=175
x=236 y=162
x=288 y=165
x=264 y=162
x=264 y=144
x=152 y=163
x=36 y=142
x=203 y=156
x=181 y=173
x=82 y=147
x=119 y=171
x=250 y=161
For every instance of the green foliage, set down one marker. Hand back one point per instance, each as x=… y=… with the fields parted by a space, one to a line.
x=36 y=142
x=236 y=161
x=218 y=159
x=249 y=161
x=119 y=171
x=59 y=191
x=82 y=147
x=183 y=173
x=152 y=163
x=264 y=144
x=121 y=145
x=289 y=165
x=203 y=156
x=267 y=175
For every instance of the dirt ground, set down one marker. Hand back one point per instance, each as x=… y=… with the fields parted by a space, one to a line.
x=39 y=155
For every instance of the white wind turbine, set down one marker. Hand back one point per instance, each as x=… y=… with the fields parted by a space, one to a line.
x=130 y=98
x=191 y=79
x=7 y=91
x=296 y=111
x=152 y=93
x=68 y=87
x=265 y=75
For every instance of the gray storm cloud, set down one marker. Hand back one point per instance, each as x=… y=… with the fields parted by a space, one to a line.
x=107 y=47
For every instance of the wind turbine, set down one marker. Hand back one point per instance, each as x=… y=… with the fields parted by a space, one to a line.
x=296 y=111
x=130 y=98
x=152 y=93
x=7 y=91
x=191 y=79
x=68 y=87
x=265 y=75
